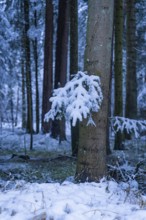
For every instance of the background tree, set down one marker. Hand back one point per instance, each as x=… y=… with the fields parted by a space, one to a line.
x=140 y=50
x=91 y=163
x=131 y=79
x=118 y=67
x=23 y=92
x=9 y=61
x=82 y=28
x=74 y=64
x=22 y=70
x=48 y=64
x=28 y=73
x=58 y=128
x=35 y=50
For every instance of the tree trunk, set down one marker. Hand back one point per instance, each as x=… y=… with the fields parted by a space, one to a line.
x=118 y=68
x=11 y=107
x=74 y=65
x=23 y=72
x=17 y=108
x=58 y=129
x=35 y=48
x=91 y=165
x=23 y=95
x=48 y=64
x=131 y=81
x=28 y=74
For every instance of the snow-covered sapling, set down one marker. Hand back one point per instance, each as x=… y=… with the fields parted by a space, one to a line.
x=129 y=125
x=77 y=99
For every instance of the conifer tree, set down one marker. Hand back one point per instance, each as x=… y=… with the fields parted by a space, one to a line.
x=91 y=164
x=48 y=64
x=118 y=67
x=74 y=64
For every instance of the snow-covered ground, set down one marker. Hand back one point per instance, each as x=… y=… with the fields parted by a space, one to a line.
x=107 y=200
x=68 y=201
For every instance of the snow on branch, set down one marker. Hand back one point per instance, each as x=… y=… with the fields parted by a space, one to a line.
x=142 y=98
x=129 y=125
x=77 y=99
x=2 y=5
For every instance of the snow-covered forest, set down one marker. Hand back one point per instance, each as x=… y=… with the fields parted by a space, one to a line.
x=72 y=110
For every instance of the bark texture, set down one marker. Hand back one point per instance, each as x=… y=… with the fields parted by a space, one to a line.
x=91 y=165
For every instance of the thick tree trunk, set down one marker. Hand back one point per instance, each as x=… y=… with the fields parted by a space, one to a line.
x=58 y=129
x=91 y=165
x=48 y=64
x=74 y=64
x=118 y=68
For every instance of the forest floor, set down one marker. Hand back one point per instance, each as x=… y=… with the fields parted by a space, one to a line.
x=50 y=161
x=32 y=181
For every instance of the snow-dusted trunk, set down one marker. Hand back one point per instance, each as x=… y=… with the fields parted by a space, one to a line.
x=91 y=163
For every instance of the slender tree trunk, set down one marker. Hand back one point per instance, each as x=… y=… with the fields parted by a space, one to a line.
x=12 y=108
x=58 y=129
x=37 y=87
x=28 y=74
x=17 y=108
x=23 y=72
x=74 y=64
x=91 y=165
x=118 y=68
x=23 y=96
x=35 y=48
x=48 y=64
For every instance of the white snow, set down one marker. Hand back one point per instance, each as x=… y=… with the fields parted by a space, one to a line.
x=106 y=200
x=129 y=125
x=77 y=99
x=68 y=201
x=142 y=98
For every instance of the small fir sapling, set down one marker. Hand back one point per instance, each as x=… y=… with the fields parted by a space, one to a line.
x=80 y=97
x=77 y=99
